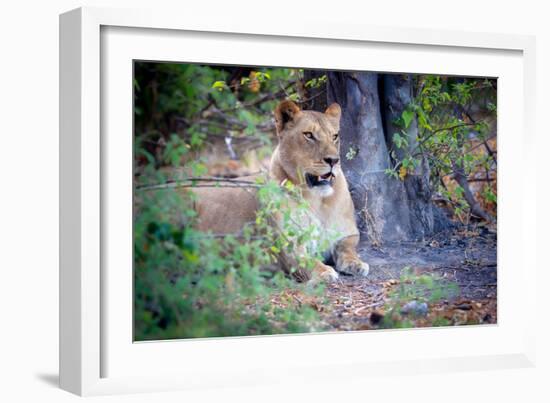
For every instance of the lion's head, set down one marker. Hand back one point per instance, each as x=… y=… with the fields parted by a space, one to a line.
x=309 y=146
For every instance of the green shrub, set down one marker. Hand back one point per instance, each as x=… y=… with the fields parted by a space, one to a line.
x=193 y=284
x=422 y=290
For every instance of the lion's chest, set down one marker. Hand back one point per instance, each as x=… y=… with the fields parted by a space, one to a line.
x=326 y=226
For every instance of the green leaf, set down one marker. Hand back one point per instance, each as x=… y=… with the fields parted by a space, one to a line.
x=397 y=140
x=352 y=152
x=407 y=117
x=219 y=85
x=294 y=97
x=422 y=120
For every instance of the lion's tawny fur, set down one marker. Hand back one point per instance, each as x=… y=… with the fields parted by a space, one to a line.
x=307 y=139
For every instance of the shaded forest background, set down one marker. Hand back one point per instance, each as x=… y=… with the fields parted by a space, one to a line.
x=419 y=152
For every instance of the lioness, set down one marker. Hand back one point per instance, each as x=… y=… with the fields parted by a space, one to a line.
x=308 y=156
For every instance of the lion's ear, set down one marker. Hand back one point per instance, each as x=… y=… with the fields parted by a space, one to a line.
x=334 y=111
x=286 y=112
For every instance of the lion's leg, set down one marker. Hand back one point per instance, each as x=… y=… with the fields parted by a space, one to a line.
x=320 y=271
x=347 y=259
x=289 y=262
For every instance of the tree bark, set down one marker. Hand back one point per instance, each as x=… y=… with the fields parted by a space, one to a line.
x=380 y=201
x=388 y=209
x=397 y=93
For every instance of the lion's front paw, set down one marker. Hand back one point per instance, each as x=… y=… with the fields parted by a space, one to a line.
x=330 y=275
x=354 y=267
x=364 y=270
x=324 y=273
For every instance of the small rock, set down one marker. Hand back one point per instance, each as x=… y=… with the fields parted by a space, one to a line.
x=415 y=308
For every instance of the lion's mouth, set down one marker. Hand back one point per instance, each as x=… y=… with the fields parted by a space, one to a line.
x=319 y=180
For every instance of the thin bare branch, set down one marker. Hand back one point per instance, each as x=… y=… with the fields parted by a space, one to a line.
x=205 y=182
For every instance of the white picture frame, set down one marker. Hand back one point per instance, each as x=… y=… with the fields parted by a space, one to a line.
x=96 y=355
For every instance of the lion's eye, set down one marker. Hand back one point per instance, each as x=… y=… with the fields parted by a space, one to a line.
x=335 y=137
x=309 y=135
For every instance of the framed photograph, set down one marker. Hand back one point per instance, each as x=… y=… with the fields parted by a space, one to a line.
x=242 y=204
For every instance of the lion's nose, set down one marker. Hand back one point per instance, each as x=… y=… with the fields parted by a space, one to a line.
x=331 y=160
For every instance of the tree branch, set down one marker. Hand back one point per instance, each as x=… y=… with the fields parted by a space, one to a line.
x=207 y=182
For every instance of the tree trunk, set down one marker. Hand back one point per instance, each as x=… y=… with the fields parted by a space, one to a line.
x=397 y=95
x=388 y=209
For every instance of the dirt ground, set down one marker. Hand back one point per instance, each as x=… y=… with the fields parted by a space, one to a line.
x=466 y=258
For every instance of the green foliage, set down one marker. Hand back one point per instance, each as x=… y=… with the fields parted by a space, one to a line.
x=449 y=138
x=417 y=289
x=489 y=194
x=192 y=284
x=351 y=153
x=399 y=140
x=297 y=229
x=422 y=287
x=405 y=119
x=199 y=103
x=317 y=82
